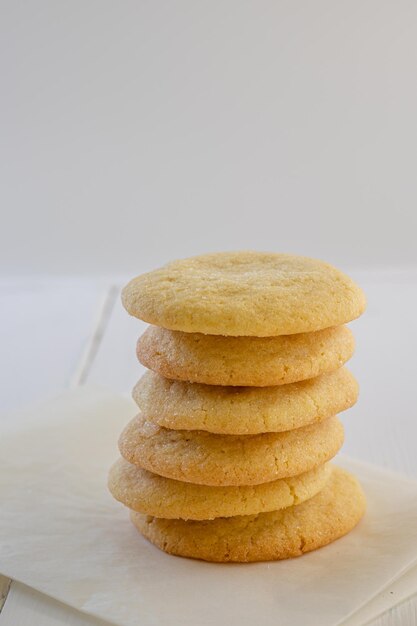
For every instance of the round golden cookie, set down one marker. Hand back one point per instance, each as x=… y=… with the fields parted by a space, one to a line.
x=244 y=361
x=283 y=534
x=259 y=294
x=149 y=493
x=244 y=410
x=220 y=460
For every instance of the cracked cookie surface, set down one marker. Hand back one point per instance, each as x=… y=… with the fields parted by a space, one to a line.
x=245 y=293
x=244 y=361
x=220 y=460
x=244 y=410
x=151 y=494
x=290 y=532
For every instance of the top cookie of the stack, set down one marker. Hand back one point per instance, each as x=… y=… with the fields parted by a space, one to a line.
x=256 y=294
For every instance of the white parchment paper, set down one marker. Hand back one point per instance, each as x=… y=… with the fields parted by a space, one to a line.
x=61 y=533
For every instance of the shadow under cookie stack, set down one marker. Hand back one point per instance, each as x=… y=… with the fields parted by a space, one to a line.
x=228 y=459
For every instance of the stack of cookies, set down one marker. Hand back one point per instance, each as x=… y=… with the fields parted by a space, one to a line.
x=228 y=459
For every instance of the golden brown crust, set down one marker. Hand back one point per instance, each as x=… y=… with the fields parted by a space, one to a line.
x=245 y=293
x=290 y=532
x=244 y=410
x=151 y=494
x=244 y=361
x=220 y=460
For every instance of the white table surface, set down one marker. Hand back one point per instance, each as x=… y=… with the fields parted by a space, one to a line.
x=59 y=332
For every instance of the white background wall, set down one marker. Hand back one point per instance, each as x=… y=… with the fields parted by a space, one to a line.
x=136 y=131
